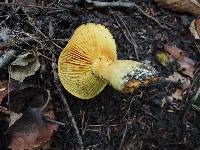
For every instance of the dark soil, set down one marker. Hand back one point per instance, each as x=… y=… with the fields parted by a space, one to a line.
x=136 y=121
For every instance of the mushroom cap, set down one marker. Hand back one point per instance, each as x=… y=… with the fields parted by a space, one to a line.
x=89 y=42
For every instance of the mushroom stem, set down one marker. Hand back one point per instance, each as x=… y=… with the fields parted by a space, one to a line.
x=123 y=75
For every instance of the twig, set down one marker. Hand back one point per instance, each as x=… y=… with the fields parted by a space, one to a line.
x=32 y=6
x=192 y=85
x=38 y=30
x=4 y=21
x=127 y=124
x=131 y=38
x=58 y=86
x=116 y=4
x=124 y=134
x=54 y=121
x=9 y=77
x=9 y=16
x=119 y=4
x=196 y=95
x=47 y=101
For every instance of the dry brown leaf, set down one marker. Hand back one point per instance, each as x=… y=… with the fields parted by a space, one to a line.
x=186 y=63
x=174 y=51
x=187 y=69
x=30 y=131
x=189 y=6
x=14 y=117
x=163 y=58
x=178 y=77
x=4 y=110
x=197 y=25
x=178 y=94
x=193 y=30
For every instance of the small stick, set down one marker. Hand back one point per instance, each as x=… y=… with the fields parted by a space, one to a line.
x=117 y=4
x=54 y=121
x=131 y=38
x=9 y=16
x=196 y=95
x=123 y=137
x=47 y=101
x=38 y=30
x=58 y=86
x=9 y=70
x=132 y=42
x=32 y=6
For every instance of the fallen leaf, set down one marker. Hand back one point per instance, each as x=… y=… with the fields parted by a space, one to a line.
x=189 y=6
x=187 y=69
x=24 y=59
x=3 y=109
x=197 y=25
x=13 y=87
x=176 y=77
x=31 y=96
x=24 y=66
x=178 y=94
x=174 y=51
x=186 y=63
x=14 y=117
x=163 y=58
x=30 y=131
x=195 y=28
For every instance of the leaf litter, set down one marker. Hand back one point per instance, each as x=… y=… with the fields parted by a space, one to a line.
x=186 y=63
x=183 y=74
x=28 y=101
x=24 y=66
x=30 y=131
x=28 y=128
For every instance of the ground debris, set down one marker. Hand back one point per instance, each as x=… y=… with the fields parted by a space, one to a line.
x=157 y=116
x=30 y=131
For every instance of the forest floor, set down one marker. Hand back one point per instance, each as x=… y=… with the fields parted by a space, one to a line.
x=154 y=116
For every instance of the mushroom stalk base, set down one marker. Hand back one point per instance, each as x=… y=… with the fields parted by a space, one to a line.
x=123 y=75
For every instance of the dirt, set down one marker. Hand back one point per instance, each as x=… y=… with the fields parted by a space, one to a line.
x=136 y=121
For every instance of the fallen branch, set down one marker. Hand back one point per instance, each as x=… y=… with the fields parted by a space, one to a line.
x=120 y=4
x=116 y=4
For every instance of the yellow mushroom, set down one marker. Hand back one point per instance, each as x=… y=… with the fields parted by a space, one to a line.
x=89 y=62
